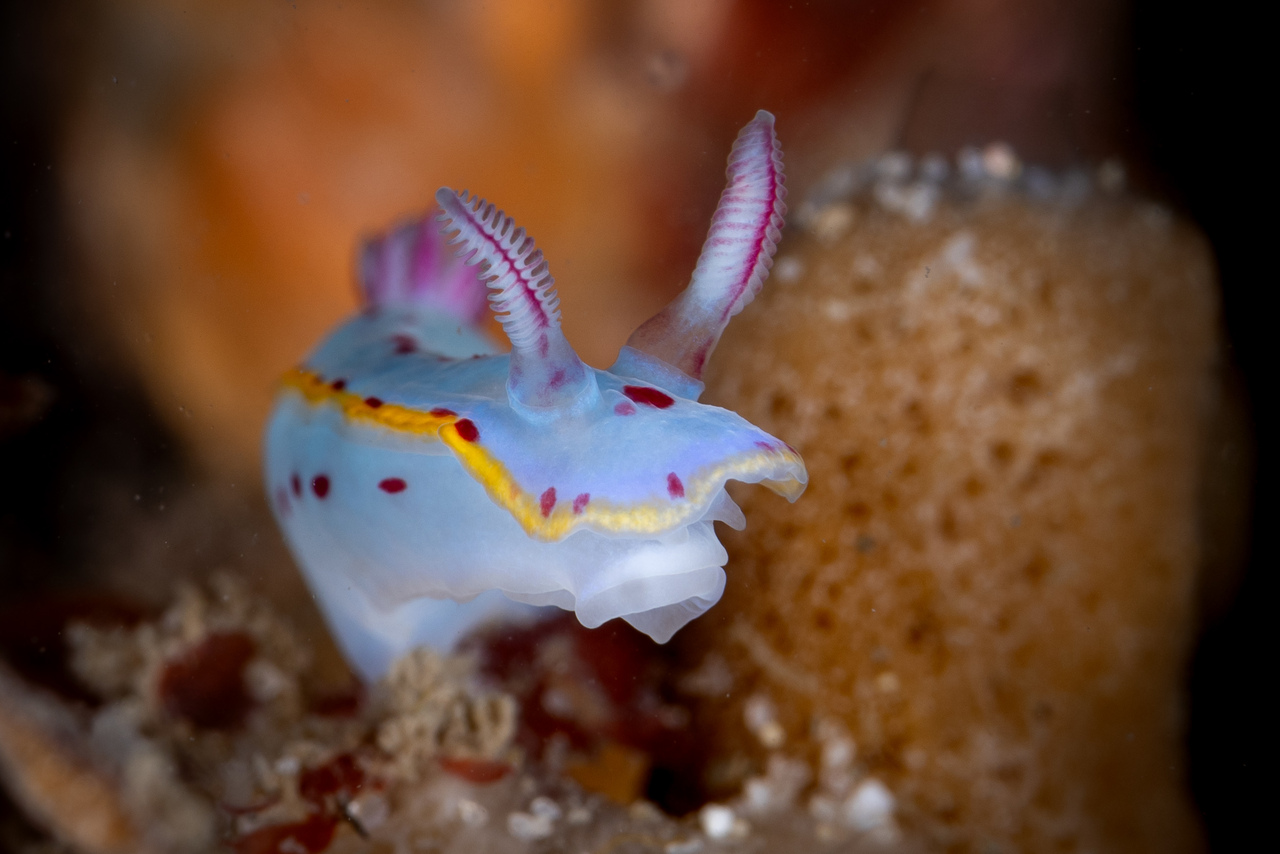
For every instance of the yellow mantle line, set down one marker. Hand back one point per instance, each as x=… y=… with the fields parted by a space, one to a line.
x=653 y=517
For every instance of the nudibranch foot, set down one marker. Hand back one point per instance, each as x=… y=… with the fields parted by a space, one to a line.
x=413 y=467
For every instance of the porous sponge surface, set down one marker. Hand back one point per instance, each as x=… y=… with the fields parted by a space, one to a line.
x=990 y=581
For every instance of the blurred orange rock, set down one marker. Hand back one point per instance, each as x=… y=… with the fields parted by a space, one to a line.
x=221 y=229
x=999 y=388
x=224 y=158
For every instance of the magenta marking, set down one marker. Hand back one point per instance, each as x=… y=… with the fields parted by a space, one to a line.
x=441 y=412
x=373 y=402
x=580 y=503
x=674 y=487
x=548 y=501
x=761 y=231
x=423 y=260
x=392 y=485
x=530 y=293
x=648 y=396
x=624 y=407
x=404 y=344
x=338 y=384
x=320 y=485
x=700 y=358
x=467 y=430
x=296 y=483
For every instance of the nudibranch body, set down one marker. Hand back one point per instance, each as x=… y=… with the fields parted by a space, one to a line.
x=424 y=481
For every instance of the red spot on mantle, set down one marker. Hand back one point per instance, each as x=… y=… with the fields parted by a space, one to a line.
x=205 y=684
x=441 y=412
x=295 y=483
x=548 y=501
x=320 y=485
x=580 y=503
x=674 y=487
x=338 y=384
x=392 y=485
x=624 y=407
x=404 y=344
x=648 y=396
x=467 y=430
x=373 y=402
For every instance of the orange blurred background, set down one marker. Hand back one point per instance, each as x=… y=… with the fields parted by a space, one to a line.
x=222 y=159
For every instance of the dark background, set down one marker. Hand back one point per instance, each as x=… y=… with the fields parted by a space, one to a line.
x=1197 y=71
x=1198 y=106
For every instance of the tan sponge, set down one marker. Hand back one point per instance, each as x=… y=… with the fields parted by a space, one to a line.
x=999 y=390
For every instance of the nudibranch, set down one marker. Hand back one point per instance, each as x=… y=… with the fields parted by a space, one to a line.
x=425 y=481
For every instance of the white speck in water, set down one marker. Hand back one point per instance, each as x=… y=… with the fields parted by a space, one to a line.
x=778 y=788
x=644 y=811
x=788 y=269
x=833 y=222
x=287 y=766
x=999 y=161
x=472 y=814
x=369 y=811
x=528 y=827
x=711 y=678
x=761 y=718
x=838 y=752
x=870 y=806
x=265 y=681
x=838 y=310
x=914 y=201
x=717 y=821
x=866 y=267
x=544 y=807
